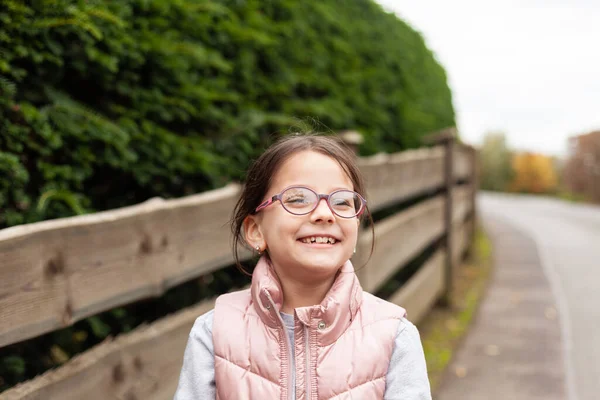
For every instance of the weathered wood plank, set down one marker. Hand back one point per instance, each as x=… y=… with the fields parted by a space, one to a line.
x=460 y=242
x=54 y=273
x=398 y=239
x=461 y=202
x=423 y=289
x=462 y=162
x=392 y=178
x=143 y=364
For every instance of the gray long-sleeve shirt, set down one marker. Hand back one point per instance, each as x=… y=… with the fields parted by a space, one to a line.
x=406 y=378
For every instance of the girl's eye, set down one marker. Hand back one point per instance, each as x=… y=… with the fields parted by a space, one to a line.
x=341 y=203
x=296 y=200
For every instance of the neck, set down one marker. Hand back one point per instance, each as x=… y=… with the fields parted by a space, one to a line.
x=304 y=294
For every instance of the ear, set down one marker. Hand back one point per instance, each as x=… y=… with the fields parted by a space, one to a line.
x=253 y=233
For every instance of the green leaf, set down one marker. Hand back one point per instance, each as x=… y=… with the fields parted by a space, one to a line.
x=14 y=364
x=67 y=197
x=99 y=328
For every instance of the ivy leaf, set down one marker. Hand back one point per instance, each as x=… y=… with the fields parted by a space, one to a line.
x=99 y=328
x=14 y=364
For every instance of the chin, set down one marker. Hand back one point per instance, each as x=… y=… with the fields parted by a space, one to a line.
x=322 y=264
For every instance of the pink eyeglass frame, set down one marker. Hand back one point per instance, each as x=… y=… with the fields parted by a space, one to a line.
x=265 y=204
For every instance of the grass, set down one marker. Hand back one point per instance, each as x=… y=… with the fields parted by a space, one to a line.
x=573 y=197
x=444 y=327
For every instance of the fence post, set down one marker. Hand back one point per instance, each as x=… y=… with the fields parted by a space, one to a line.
x=448 y=143
x=447 y=138
x=474 y=187
x=352 y=139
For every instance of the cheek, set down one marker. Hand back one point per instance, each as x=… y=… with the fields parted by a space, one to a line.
x=276 y=226
x=351 y=231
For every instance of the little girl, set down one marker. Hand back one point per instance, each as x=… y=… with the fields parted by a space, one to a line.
x=305 y=330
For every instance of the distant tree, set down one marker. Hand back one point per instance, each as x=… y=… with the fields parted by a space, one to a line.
x=495 y=162
x=533 y=173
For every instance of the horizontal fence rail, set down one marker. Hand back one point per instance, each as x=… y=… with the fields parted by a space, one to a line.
x=398 y=239
x=463 y=162
x=392 y=178
x=143 y=364
x=55 y=273
x=421 y=292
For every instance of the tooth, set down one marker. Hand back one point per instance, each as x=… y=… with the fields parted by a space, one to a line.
x=312 y=239
x=319 y=240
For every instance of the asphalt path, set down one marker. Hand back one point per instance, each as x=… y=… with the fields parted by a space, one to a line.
x=567 y=238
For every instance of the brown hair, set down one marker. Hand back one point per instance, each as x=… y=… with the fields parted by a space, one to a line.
x=261 y=173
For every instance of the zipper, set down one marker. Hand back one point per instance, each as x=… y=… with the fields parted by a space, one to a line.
x=288 y=346
x=307 y=356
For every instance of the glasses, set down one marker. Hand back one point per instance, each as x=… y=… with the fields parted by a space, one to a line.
x=299 y=200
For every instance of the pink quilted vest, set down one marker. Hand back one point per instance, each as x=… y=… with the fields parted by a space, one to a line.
x=342 y=346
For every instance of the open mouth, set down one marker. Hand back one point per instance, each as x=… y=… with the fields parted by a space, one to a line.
x=319 y=240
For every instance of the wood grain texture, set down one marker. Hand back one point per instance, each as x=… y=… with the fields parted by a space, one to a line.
x=462 y=162
x=144 y=364
x=460 y=242
x=461 y=202
x=423 y=289
x=57 y=272
x=398 y=239
x=392 y=178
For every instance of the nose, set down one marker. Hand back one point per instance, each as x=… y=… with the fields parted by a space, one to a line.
x=322 y=214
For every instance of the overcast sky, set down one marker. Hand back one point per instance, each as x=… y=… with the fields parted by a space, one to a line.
x=529 y=68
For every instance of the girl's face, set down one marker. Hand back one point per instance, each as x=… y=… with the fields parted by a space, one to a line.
x=282 y=233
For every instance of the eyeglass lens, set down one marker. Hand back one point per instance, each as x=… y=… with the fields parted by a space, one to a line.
x=344 y=203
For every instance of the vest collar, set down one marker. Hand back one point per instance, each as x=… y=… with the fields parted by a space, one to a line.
x=330 y=318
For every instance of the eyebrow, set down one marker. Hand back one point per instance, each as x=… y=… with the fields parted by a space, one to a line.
x=310 y=187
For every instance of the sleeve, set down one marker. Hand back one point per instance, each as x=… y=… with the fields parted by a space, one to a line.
x=197 y=377
x=407 y=378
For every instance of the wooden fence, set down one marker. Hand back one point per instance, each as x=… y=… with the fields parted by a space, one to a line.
x=57 y=272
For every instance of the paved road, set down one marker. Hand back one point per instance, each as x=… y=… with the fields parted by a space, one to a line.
x=514 y=347
x=568 y=243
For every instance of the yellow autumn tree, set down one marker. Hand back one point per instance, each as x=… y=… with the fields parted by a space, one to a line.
x=533 y=173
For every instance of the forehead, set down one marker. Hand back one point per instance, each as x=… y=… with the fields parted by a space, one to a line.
x=315 y=170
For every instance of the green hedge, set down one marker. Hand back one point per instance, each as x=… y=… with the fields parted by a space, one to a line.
x=108 y=103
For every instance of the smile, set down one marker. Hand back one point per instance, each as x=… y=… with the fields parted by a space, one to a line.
x=318 y=239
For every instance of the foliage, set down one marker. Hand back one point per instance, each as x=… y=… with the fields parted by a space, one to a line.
x=495 y=162
x=533 y=173
x=111 y=103
x=108 y=103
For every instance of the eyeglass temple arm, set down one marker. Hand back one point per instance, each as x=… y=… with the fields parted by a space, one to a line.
x=266 y=204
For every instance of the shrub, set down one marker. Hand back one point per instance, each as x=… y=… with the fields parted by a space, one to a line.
x=105 y=104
